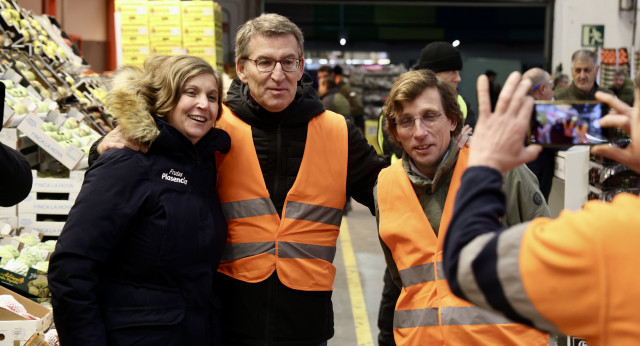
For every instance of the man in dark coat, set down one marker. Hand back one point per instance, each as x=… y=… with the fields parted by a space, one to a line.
x=15 y=172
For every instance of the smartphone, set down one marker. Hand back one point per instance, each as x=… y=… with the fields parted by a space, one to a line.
x=568 y=123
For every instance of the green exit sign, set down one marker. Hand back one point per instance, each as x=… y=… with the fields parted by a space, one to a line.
x=592 y=35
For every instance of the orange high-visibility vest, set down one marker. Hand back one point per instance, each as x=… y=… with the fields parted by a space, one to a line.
x=302 y=244
x=427 y=312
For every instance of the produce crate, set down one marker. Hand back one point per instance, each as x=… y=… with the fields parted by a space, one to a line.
x=70 y=156
x=34 y=210
x=9 y=137
x=22 y=283
x=8 y=211
x=18 y=281
x=15 y=329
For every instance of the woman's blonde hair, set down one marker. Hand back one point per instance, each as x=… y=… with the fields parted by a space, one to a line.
x=164 y=78
x=137 y=95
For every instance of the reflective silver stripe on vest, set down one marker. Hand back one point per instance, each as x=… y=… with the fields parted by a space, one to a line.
x=248 y=208
x=470 y=315
x=306 y=251
x=315 y=213
x=418 y=274
x=466 y=277
x=508 y=267
x=235 y=251
x=415 y=318
x=440 y=267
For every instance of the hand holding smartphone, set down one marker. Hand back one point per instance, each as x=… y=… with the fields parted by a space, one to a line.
x=567 y=123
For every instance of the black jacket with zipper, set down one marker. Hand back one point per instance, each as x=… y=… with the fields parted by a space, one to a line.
x=268 y=312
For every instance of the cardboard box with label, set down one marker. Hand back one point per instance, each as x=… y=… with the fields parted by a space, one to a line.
x=15 y=329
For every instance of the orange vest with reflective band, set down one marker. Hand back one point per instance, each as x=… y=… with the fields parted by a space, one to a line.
x=302 y=244
x=427 y=312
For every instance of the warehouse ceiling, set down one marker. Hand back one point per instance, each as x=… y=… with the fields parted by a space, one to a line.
x=471 y=21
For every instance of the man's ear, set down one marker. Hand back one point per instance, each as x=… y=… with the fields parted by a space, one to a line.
x=454 y=124
x=240 y=71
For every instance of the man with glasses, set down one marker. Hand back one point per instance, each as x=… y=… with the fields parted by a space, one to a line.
x=414 y=201
x=282 y=186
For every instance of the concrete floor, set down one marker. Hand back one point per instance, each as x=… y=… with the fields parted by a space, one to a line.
x=350 y=289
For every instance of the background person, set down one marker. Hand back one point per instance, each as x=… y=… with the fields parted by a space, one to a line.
x=332 y=99
x=415 y=199
x=576 y=274
x=356 y=109
x=494 y=87
x=584 y=70
x=544 y=165
x=561 y=81
x=135 y=261
x=15 y=176
x=623 y=87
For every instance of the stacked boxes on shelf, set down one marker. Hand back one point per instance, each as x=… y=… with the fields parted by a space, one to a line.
x=170 y=27
x=40 y=212
x=217 y=18
x=165 y=32
x=198 y=29
x=133 y=17
x=612 y=60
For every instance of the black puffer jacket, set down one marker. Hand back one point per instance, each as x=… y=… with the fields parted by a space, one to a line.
x=15 y=175
x=269 y=313
x=136 y=260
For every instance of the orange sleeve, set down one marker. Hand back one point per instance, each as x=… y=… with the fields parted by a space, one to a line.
x=574 y=266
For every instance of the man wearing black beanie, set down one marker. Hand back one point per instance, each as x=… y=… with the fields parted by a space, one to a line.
x=445 y=60
x=15 y=171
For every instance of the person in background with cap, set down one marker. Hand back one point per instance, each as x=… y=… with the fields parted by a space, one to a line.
x=15 y=175
x=445 y=60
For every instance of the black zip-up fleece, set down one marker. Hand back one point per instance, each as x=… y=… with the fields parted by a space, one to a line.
x=268 y=312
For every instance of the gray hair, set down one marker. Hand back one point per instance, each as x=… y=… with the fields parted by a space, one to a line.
x=537 y=76
x=583 y=54
x=268 y=25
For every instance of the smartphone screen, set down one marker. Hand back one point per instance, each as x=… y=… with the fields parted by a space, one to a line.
x=567 y=123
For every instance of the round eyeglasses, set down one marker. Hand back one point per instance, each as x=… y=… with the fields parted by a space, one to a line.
x=268 y=64
x=427 y=119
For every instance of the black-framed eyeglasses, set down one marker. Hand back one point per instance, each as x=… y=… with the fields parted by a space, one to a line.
x=268 y=64
x=427 y=119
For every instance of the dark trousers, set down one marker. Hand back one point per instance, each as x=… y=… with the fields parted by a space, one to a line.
x=390 y=294
x=543 y=167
